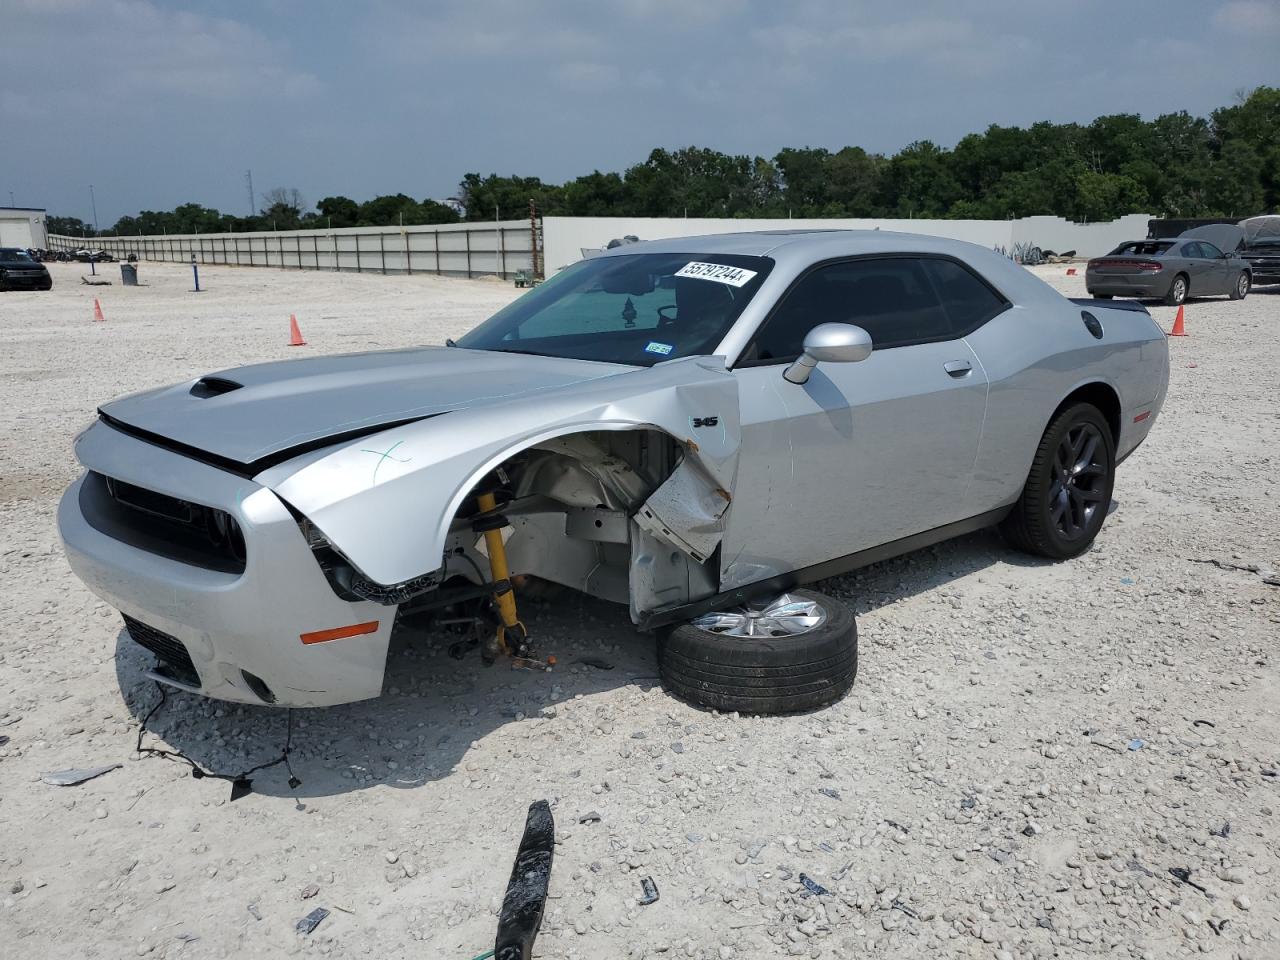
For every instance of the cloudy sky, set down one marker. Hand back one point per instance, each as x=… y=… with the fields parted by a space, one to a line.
x=158 y=103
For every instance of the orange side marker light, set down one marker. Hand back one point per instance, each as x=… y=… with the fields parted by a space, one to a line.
x=340 y=633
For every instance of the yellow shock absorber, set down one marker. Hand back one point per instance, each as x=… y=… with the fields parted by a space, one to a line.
x=511 y=633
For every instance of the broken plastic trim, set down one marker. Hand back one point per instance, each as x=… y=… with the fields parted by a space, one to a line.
x=526 y=895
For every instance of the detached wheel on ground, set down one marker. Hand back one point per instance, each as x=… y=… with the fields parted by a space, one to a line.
x=1068 y=490
x=796 y=652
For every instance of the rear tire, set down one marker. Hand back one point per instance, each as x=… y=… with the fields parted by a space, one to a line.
x=1068 y=491
x=705 y=663
x=1241 y=288
x=1177 y=291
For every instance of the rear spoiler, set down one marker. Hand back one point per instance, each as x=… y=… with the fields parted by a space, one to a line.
x=1133 y=305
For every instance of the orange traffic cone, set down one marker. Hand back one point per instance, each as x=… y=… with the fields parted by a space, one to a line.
x=1071 y=271
x=97 y=310
x=1178 y=330
x=295 y=335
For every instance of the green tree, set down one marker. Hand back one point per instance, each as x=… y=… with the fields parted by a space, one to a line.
x=338 y=212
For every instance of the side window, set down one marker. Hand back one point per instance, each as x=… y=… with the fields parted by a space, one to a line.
x=1191 y=250
x=1207 y=249
x=892 y=299
x=968 y=300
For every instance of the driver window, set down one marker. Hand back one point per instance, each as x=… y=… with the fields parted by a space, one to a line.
x=892 y=299
x=1207 y=249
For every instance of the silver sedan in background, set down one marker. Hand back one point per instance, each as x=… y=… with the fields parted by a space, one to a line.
x=694 y=428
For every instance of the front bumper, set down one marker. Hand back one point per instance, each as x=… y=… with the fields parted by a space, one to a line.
x=26 y=280
x=230 y=624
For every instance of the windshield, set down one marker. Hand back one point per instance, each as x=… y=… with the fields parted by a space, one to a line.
x=11 y=254
x=638 y=309
x=1261 y=230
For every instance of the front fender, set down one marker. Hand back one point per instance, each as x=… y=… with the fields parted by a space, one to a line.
x=386 y=501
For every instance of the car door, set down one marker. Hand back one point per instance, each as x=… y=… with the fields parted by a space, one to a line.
x=865 y=453
x=1202 y=275
x=1219 y=277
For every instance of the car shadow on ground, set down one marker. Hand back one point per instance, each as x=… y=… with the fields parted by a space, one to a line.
x=434 y=708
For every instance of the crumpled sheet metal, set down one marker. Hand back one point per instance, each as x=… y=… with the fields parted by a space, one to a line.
x=75 y=775
x=396 y=528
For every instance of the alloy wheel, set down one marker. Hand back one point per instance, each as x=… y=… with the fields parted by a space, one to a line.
x=1079 y=481
x=789 y=615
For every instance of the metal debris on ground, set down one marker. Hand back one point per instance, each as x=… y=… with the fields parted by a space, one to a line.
x=831 y=792
x=591 y=817
x=814 y=888
x=648 y=892
x=526 y=895
x=311 y=920
x=69 y=778
x=254 y=911
x=310 y=890
x=909 y=911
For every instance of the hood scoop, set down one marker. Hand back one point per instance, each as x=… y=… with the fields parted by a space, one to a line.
x=207 y=387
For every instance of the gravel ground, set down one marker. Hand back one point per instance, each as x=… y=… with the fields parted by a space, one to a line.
x=978 y=794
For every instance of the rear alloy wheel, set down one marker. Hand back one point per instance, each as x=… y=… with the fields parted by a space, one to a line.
x=1068 y=491
x=1177 y=291
x=795 y=652
x=1241 y=288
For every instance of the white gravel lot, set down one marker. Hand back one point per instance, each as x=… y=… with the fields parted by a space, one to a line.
x=982 y=800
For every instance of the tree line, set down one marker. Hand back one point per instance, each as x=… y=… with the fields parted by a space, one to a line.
x=1176 y=165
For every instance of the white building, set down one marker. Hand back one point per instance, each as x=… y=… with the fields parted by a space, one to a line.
x=23 y=227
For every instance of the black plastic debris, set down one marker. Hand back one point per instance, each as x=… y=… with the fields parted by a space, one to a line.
x=1183 y=875
x=241 y=787
x=814 y=888
x=1202 y=723
x=311 y=920
x=526 y=895
x=648 y=892
x=896 y=826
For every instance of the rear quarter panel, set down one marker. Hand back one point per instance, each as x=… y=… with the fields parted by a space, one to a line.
x=1035 y=355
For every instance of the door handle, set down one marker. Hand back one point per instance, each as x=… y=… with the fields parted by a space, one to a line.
x=958 y=368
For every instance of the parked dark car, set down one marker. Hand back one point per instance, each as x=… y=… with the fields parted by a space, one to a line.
x=1262 y=248
x=19 y=271
x=1172 y=270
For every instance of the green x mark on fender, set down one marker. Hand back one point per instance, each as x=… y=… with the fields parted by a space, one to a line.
x=383 y=456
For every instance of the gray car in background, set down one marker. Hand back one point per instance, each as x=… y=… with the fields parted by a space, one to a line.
x=693 y=428
x=1202 y=262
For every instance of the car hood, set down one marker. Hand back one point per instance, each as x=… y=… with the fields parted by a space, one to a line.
x=1225 y=236
x=260 y=415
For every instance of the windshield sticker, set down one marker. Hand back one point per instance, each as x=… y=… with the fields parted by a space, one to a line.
x=733 y=276
x=662 y=349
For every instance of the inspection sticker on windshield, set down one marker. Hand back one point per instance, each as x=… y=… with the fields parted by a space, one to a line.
x=734 y=276
x=662 y=349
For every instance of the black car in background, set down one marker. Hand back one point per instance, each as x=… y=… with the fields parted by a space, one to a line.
x=1262 y=248
x=20 y=271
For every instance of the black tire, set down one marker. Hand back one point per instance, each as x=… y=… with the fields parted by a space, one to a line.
x=764 y=675
x=1240 y=289
x=1063 y=504
x=1178 y=289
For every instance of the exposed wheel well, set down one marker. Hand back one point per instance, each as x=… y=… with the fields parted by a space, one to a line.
x=1101 y=396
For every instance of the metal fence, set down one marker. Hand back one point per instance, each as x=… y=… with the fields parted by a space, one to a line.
x=454 y=250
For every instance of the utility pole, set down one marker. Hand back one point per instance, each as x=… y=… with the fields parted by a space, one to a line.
x=248 y=176
x=533 y=237
x=94 y=204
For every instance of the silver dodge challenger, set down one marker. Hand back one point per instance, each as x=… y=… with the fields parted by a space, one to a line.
x=696 y=428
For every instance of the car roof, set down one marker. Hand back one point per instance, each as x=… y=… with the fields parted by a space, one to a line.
x=805 y=244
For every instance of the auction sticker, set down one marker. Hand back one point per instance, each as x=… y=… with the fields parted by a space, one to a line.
x=662 y=349
x=719 y=272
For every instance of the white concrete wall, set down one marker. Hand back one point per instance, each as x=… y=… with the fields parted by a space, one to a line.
x=564 y=237
x=459 y=249
x=22 y=227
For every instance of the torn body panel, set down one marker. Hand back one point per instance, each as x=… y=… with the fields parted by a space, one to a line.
x=387 y=502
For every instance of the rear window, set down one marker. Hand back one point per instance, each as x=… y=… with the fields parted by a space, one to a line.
x=1142 y=248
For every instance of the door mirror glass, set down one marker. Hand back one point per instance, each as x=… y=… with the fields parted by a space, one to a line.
x=830 y=343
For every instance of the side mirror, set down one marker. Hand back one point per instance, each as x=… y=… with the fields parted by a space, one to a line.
x=830 y=343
